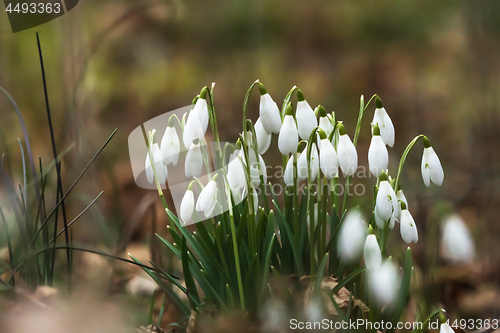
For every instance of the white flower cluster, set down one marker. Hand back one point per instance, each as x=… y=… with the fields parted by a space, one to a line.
x=326 y=148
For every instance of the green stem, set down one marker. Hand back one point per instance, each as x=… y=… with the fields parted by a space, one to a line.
x=403 y=158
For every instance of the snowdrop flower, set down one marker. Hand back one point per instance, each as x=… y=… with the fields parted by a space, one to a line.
x=328 y=160
x=288 y=137
x=431 y=166
x=352 y=236
x=194 y=160
x=324 y=122
x=208 y=198
x=386 y=201
x=457 y=245
x=378 y=157
x=187 y=205
x=384 y=122
x=263 y=138
x=288 y=175
x=159 y=167
x=371 y=253
x=236 y=171
x=445 y=328
x=170 y=145
x=384 y=283
x=408 y=227
x=306 y=120
x=346 y=152
x=269 y=112
x=197 y=122
x=401 y=198
x=313 y=163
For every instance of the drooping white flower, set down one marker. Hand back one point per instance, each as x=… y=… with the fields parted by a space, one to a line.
x=197 y=122
x=383 y=283
x=159 y=167
x=401 y=198
x=384 y=122
x=269 y=112
x=386 y=201
x=445 y=328
x=194 y=160
x=352 y=236
x=236 y=171
x=193 y=129
x=170 y=145
x=288 y=137
x=306 y=120
x=207 y=198
x=457 y=244
x=378 y=157
x=371 y=253
x=302 y=165
x=346 y=153
x=302 y=170
x=408 y=226
x=288 y=175
x=431 y=166
x=328 y=160
x=187 y=206
x=324 y=122
x=263 y=138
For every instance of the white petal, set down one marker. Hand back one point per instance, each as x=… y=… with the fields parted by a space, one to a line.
x=314 y=163
x=193 y=129
x=187 y=206
x=270 y=114
x=159 y=167
x=348 y=157
x=328 y=159
x=170 y=146
x=378 y=221
x=384 y=205
x=201 y=109
x=378 y=157
x=263 y=138
x=207 y=197
x=384 y=283
x=408 y=227
x=306 y=120
x=302 y=165
x=288 y=137
x=445 y=328
x=352 y=237
x=457 y=244
x=435 y=169
x=194 y=161
x=288 y=176
x=325 y=125
x=400 y=197
x=386 y=127
x=426 y=176
x=371 y=253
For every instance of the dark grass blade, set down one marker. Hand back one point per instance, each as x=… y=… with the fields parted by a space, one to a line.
x=74 y=183
x=58 y=165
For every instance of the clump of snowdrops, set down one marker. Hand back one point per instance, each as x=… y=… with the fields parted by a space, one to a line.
x=243 y=240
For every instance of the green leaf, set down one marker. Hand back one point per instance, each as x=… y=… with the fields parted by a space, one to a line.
x=348 y=278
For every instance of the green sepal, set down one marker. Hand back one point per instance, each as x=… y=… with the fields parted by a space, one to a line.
x=378 y=103
x=300 y=96
x=262 y=88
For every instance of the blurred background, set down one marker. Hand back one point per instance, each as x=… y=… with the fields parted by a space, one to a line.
x=116 y=64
